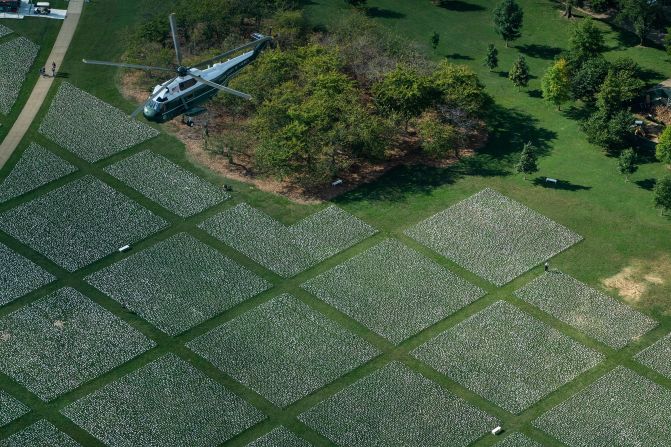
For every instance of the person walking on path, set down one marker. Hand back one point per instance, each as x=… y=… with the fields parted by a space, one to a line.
x=53 y=69
x=43 y=72
x=547 y=266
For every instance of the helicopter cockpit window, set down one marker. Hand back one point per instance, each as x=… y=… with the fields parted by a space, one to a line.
x=186 y=84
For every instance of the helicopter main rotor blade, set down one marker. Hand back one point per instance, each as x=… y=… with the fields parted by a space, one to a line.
x=173 y=30
x=221 y=87
x=118 y=64
x=235 y=50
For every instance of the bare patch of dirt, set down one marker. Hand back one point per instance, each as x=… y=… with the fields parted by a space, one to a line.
x=634 y=281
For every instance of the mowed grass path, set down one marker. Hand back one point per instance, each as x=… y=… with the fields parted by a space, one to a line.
x=617 y=219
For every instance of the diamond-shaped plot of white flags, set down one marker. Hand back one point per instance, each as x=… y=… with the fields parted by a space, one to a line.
x=40 y=434
x=16 y=58
x=178 y=283
x=19 y=275
x=165 y=403
x=283 y=349
x=586 y=309
x=287 y=249
x=621 y=408
x=57 y=343
x=10 y=408
x=507 y=356
x=494 y=236
x=80 y=222
x=36 y=167
x=398 y=407
x=89 y=127
x=164 y=182
x=393 y=290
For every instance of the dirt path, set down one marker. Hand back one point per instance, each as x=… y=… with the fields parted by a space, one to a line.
x=40 y=90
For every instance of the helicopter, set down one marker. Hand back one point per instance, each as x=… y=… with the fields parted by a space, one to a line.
x=185 y=93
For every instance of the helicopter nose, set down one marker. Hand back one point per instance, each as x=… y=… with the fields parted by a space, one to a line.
x=148 y=112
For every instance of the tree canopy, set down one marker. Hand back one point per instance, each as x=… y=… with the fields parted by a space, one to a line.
x=519 y=72
x=586 y=40
x=662 y=194
x=556 y=83
x=663 y=149
x=508 y=16
x=528 y=163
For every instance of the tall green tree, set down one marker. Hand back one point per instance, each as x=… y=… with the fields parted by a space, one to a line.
x=519 y=73
x=492 y=58
x=663 y=149
x=403 y=92
x=587 y=80
x=640 y=15
x=611 y=132
x=528 y=163
x=662 y=194
x=626 y=163
x=459 y=87
x=620 y=86
x=586 y=40
x=508 y=16
x=435 y=40
x=556 y=84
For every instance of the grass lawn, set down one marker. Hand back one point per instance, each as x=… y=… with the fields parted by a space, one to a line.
x=619 y=227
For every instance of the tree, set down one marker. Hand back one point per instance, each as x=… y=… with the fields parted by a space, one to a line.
x=611 y=132
x=568 y=8
x=556 y=84
x=620 y=86
x=519 y=73
x=492 y=57
x=663 y=149
x=403 y=91
x=586 y=81
x=508 y=17
x=662 y=194
x=626 y=163
x=586 y=40
x=435 y=40
x=438 y=139
x=459 y=87
x=528 y=163
x=640 y=15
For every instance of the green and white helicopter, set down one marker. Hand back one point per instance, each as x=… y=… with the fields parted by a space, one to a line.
x=185 y=93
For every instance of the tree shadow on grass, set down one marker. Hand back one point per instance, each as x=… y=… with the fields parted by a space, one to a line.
x=535 y=93
x=648 y=183
x=459 y=57
x=458 y=5
x=509 y=129
x=578 y=113
x=564 y=185
x=382 y=13
x=540 y=51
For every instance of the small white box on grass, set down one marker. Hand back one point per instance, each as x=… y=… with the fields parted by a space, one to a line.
x=497 y=430
x=124 y=248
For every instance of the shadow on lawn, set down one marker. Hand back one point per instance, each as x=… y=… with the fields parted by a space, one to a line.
x=648 y=183
x=564 y=185
x=382 y=13
x=458 y=5
x=540 y=51
x=509 y=129
x=458 y=56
